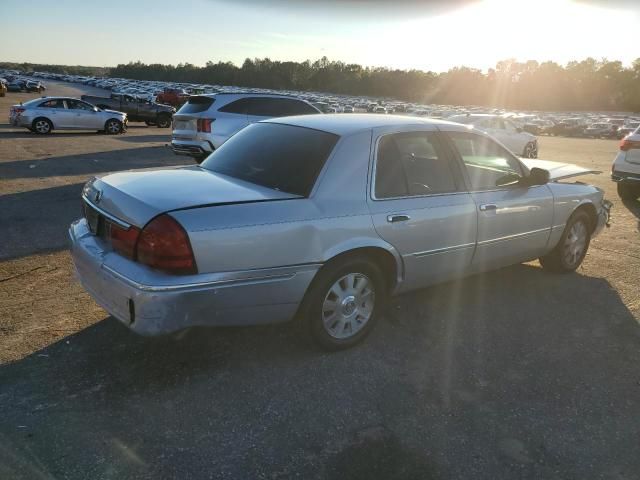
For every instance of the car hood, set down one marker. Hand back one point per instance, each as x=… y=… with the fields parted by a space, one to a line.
x=137 y=197
x=114 y=112
x=558 y=170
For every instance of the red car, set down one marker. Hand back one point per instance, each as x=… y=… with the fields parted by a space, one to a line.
x=173 y=96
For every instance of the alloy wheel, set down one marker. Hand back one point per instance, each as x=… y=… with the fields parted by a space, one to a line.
x=42 y=126
x=575 y=243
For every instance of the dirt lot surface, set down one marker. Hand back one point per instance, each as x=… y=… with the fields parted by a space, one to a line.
x=512 y=374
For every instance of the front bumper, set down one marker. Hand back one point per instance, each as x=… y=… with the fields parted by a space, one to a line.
x=154 y=303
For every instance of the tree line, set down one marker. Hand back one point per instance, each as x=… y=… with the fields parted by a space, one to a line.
x=589 y=84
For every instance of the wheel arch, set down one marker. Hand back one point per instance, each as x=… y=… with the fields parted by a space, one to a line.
x=384 y=255
x=42 y=117
x=590 y=209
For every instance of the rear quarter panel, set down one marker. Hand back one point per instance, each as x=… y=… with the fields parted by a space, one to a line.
x=334 y=219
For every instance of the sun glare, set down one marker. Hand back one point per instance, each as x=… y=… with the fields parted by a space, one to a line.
x=559 y=30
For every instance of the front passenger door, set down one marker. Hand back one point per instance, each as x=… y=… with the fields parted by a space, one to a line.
x=514 y=221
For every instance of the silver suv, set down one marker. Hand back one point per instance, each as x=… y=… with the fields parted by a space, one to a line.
x=207 y=121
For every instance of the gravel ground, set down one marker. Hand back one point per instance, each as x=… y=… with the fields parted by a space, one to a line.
x=511 y=374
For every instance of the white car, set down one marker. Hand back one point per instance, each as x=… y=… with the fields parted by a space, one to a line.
x=205 y=122
x=521 y=143
x=626 y=167
x=42 y=115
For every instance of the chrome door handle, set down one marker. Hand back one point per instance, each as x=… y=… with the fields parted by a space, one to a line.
x=485 y=207
x=398 y=217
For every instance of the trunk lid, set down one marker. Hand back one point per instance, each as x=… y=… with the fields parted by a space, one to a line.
x=558 y=170
x=137 y=197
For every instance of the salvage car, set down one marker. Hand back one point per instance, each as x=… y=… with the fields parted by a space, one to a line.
x=45 y=114
x=321 y=218
x=626 y=167
x=137 y=109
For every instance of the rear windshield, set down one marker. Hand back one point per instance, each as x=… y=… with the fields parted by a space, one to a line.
x=465 y=119
x=197 y=104
x=282 y=157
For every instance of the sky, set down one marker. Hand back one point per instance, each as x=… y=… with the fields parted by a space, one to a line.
x=427 y=35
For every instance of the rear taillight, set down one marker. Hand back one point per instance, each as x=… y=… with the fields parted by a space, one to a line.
x=123 y=240
x=626 y=145
x=164 y=244
x=204 y=125
x=18 y=110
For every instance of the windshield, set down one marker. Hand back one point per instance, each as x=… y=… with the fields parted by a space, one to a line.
x=282 y=157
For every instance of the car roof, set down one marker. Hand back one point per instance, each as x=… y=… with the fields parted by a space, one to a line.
x=341 y=124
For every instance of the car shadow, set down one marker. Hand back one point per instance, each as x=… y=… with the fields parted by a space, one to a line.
x=146 y=138
x=514 y=367
x=36 y=221
x=92 y=163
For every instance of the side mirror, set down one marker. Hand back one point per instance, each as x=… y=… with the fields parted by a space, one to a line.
x=537 y=176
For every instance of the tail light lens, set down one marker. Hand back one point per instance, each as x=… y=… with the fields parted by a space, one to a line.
x=124 y=241
x=204 y=125
x=626 y=145
x=163 y=244
x=18 y=110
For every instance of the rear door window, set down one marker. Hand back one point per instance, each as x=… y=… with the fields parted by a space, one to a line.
x=412 y=164
x=239 y=106
x=56 y=103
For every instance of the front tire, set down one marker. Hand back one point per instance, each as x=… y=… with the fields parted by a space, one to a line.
x=42 y=126
x=342 y=304
x=567 y=256
x=113 y=127
x=627 y=191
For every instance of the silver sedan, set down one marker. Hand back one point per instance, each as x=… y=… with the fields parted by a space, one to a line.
x=321 y=218
x=43 y=115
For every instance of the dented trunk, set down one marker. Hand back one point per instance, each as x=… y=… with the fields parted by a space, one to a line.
x=137 y=197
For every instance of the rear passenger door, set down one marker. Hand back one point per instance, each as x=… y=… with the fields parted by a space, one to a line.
x=419 y=205
x=514 y=220
x=233 y=120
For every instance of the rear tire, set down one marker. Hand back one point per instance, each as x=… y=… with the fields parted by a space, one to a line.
x=567 y=256
x=627 y=191
x=343 y=303
x=113 y=127
x=42 y=126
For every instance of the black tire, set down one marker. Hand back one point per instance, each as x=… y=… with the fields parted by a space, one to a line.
x=113 y=127
x=42 y=126
x=628 y=191
x=313 y=318
x=163 y=121
x=563 y=258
